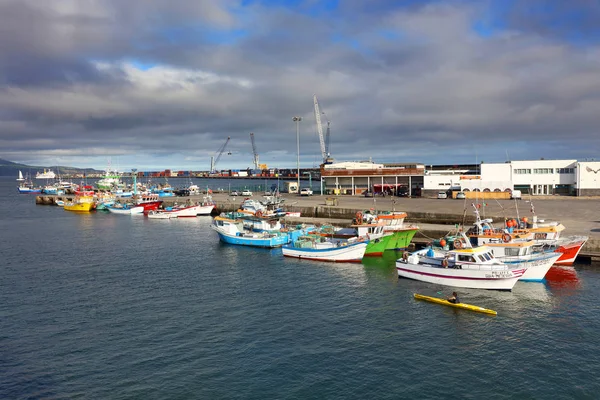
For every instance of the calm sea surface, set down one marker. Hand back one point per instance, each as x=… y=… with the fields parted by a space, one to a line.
x=103 y=306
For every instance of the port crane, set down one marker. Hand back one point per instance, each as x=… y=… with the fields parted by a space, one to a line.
x=215 y=159
x=324 y=142
x=255 y=153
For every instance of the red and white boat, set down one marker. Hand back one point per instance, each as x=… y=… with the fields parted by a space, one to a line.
x=543 y=233
x=149 y=201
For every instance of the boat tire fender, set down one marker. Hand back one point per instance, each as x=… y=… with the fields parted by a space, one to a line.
x=506 y=238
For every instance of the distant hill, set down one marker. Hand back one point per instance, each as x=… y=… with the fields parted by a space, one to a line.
x=9 y=168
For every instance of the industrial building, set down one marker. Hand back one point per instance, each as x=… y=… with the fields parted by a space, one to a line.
x=534 y=177
x=354 y=178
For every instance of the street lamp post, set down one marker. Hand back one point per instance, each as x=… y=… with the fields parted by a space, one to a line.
x=297 y=121
x=134 y=173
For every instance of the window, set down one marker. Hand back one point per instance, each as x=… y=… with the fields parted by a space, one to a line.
x=565 y=170
x=522 y=171
x=511 y=252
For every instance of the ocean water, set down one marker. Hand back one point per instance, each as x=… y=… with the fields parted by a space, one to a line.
x=101 y=306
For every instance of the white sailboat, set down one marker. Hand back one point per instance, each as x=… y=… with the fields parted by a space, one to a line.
x=20 y=178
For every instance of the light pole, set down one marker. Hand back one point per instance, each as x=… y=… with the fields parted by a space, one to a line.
x=133 y=172
x=297 y=121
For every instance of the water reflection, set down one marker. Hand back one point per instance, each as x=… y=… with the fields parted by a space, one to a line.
x=559 y=277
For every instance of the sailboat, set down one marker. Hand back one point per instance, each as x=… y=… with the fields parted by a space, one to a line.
x=20 y=178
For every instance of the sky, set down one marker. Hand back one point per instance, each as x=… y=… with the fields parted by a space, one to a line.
x=162 y=84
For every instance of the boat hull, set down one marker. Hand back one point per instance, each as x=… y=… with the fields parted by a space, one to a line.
x=79 y=207
x=377 y=246
x=26 y=190
x=463 y=306
x=253 y=240
x=126 y=211
x=569 y=251
x=537 y=267
x=500 y=279
x=160 y=215
x=401 y=239
x=349 y=253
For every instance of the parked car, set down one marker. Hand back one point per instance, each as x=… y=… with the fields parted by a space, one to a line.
x=516 y=194
x=461 y=195
x=306 y=192
x=234 y=193
x=442 y=195
x=402 y=192
x=182 y=192
x=246 y=193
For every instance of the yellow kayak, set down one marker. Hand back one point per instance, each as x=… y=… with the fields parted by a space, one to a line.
x=464 y=306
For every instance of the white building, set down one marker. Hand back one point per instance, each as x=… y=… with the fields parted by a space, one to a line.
x=537 y=177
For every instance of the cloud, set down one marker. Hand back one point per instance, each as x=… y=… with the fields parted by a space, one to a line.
x=162 y=84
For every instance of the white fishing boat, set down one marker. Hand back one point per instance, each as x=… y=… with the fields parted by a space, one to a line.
x=467 y=268
x=521 y=254
x=125 y=209
x=319 y=248
x=155 y=214
x=20 y=177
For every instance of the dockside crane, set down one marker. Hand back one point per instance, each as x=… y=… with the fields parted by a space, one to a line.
x=254 y=152
x=215 y=159
x=324 y=148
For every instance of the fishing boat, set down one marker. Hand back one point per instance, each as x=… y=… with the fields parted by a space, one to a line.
x=463 y=306
x=80 y=204
x=525 y=254
x=125 y=209
x=320 y=248
x=52 y=189
x=20 y=177
x=368 y=230
x=27 y=187
x=149 y=201
x=474 y=268
x=254 y=223
x=155 y=214
x=402 y=233
x=183 y=211
x=547 y=234
x=232 y=231
x=111 y=180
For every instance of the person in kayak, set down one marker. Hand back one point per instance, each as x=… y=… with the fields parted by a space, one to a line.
x=454 y=298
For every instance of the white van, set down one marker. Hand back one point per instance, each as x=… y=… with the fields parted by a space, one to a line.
x=515 y=194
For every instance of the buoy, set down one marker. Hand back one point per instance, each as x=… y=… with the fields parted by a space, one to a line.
x=442 y=243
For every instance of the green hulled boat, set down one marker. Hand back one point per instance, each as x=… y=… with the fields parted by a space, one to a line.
x=377 y=246
x=401 y=239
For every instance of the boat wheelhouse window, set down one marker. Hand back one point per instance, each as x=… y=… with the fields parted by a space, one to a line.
x=481 y=258
x=488 y=256
x=465 y=258
x=511 y=251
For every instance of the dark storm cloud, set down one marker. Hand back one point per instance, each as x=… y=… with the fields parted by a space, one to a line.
x=170 y=80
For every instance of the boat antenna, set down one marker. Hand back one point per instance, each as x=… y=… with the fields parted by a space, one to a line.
x=503 y=210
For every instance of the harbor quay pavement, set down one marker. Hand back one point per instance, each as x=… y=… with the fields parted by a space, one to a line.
x=580 y=216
